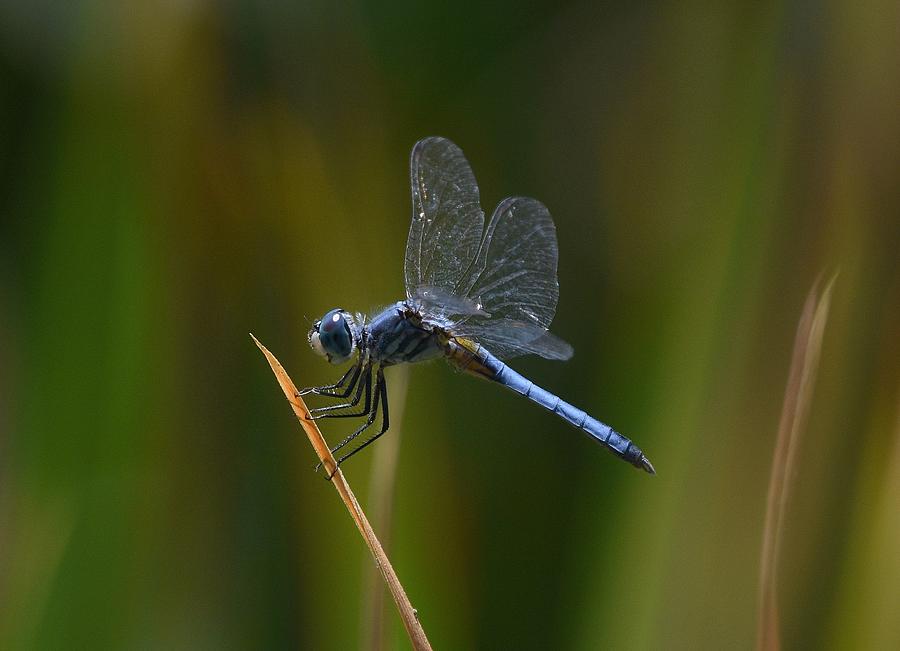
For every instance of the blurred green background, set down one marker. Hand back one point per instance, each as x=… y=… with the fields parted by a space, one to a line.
x=178 y=174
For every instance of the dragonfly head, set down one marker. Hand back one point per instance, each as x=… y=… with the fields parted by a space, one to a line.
x=334 y=336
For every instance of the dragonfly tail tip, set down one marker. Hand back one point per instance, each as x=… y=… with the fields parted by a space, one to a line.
x=646 y=465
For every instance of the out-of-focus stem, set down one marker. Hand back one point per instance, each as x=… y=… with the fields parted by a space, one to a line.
x=797 y=398
x=381 y=503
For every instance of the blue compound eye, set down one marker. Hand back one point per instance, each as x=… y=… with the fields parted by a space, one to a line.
x=332 y=337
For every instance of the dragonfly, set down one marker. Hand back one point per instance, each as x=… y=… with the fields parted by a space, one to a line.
x=477 y=294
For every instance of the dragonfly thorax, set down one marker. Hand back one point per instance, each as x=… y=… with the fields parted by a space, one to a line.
x=400 y=335
x=335 y=336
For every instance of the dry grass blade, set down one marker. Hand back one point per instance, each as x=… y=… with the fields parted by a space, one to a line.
x=407 y=612
x=798 y=393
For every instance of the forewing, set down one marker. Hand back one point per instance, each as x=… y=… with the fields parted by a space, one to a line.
x=436 y=300
x=447 y=221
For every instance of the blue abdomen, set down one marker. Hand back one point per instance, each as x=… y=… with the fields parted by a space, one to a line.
x=610 y=438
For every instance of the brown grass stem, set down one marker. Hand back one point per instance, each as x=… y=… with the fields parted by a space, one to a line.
x=795 y=409
x=407 y=613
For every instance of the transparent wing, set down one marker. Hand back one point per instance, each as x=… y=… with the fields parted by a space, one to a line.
x=514 y=281
x=515 y=274
x=447 y=221
x=439 y=301
x=506 y=338
x=497 y=285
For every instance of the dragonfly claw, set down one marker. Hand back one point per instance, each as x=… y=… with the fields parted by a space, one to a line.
x=328 y=476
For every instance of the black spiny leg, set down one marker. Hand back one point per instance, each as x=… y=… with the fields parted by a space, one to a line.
x=372 y=412
x=380 y=392
x=328 y=389
x=371 y=419
x=325 y=412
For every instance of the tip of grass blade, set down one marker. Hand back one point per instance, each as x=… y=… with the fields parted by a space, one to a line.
x=407 y=613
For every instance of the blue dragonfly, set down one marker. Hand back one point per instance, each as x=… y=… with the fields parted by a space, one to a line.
x=476 y=295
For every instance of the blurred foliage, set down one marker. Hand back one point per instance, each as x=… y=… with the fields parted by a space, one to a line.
x=177 y=174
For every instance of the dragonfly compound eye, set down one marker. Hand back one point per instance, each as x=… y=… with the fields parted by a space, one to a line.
x=332 y=337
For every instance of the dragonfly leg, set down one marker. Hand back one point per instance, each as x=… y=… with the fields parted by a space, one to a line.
x=371 y=419
x=326 y=412
x=329 y=389
x=381 y=391
x=347 y=390
x=372 y=413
